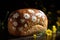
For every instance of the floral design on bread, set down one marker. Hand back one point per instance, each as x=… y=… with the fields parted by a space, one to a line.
x=26 y=22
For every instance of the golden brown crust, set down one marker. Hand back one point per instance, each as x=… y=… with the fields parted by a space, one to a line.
x=25 y=22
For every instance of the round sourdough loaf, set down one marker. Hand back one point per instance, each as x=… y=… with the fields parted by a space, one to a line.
x=27 y=21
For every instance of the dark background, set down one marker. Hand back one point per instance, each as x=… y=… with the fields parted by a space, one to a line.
x=44 y=5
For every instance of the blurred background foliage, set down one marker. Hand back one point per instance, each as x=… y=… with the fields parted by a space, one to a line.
x=50 y=7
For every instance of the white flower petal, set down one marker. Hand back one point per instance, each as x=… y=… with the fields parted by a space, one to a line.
x=34 y=18
x=15 y=15
x=26 y=16
x=15 y=23
x=31 y=11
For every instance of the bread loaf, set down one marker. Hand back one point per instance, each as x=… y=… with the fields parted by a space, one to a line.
x=27 y=21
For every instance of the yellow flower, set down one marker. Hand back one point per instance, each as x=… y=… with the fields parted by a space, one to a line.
x=49 y=32
x=34 y=36
x=54 y=29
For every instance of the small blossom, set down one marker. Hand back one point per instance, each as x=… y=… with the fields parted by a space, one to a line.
x=15 y=23
x=15 y=15
x=34 y=18
x=26 y=16
x=34 y=36
x=54 y=29
x=49 y=32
